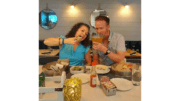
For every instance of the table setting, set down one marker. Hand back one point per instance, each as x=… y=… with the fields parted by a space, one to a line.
x=110 y=86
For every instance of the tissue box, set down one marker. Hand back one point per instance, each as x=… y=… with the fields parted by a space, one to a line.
x=108 y=87
x=103 y=79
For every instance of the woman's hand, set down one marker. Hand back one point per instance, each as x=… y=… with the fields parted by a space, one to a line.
x=70 y=40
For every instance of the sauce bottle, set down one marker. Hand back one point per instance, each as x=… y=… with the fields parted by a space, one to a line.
x=93 y=76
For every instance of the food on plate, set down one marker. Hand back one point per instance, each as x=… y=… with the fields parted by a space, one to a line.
x=122 y=66
x=59 y=62
x=101 y=67
x=77 y=68
x=63 y=63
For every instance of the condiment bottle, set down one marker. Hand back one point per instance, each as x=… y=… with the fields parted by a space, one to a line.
x=93 y=76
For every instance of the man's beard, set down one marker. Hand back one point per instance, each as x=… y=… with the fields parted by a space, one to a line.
x=106 y=34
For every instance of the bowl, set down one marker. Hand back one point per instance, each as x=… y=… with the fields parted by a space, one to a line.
x=49 y=72
x=64 y=62
x=48 y=65
x=76 y=71
x=122 y=73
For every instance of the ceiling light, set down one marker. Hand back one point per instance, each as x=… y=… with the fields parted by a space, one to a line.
x=126 y=6
x=72 y=6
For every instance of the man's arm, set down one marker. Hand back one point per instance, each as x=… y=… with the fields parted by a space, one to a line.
x=117 y=57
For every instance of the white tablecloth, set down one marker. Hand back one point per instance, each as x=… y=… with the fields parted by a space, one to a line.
x=96 y=94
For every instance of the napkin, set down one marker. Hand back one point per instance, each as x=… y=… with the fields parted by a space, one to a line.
x=59 y=65
x=63 y=77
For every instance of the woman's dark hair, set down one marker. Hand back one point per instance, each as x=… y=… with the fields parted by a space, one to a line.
x=74 y=29
x=105 y=18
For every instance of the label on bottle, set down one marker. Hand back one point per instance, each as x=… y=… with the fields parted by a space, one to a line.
x=94 y=80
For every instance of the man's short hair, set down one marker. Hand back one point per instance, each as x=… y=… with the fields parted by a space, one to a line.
x=105 y=18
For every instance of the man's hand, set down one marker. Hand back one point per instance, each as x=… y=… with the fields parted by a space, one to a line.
x=99 y=47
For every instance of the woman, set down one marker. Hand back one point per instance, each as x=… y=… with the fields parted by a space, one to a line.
x=75 y=46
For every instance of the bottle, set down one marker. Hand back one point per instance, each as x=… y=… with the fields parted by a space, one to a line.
x=93 y=76
x=42 y=80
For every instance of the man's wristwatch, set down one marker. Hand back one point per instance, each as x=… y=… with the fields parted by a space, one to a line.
x=107 y=52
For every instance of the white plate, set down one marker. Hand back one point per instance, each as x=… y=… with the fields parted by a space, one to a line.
x=84 y=77
x=76 y=72
x=122 y=84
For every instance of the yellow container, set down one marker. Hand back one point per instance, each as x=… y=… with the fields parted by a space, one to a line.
x=72 y=89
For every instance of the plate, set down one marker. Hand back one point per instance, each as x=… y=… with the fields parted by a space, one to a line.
x=76 y=72
x=84 y=77
x=122 y=84
x=106 y=69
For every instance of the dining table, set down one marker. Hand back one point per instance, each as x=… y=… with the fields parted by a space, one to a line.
x=48 y=52
x=54 y=52
x=89 y=93
x=127 y=54
x=136 y=55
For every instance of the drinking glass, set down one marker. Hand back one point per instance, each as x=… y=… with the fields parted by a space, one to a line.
x=96 y=38
x=136 y=75
x=57 y=74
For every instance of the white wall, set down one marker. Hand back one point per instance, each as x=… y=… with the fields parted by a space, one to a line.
x=124 y=21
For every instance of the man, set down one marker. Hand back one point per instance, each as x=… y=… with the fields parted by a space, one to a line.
x=112 y=49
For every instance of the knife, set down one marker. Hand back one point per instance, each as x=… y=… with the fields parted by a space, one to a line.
x=134 y=53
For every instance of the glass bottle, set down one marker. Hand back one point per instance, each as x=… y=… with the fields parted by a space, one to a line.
x=93 y=76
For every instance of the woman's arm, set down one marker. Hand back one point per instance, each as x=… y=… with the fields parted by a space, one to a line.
x=58 y=41
x=53 y=41
x=88 y=58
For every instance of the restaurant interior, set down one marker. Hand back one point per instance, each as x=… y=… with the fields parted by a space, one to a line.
x=126 y=21
x=56 y=17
